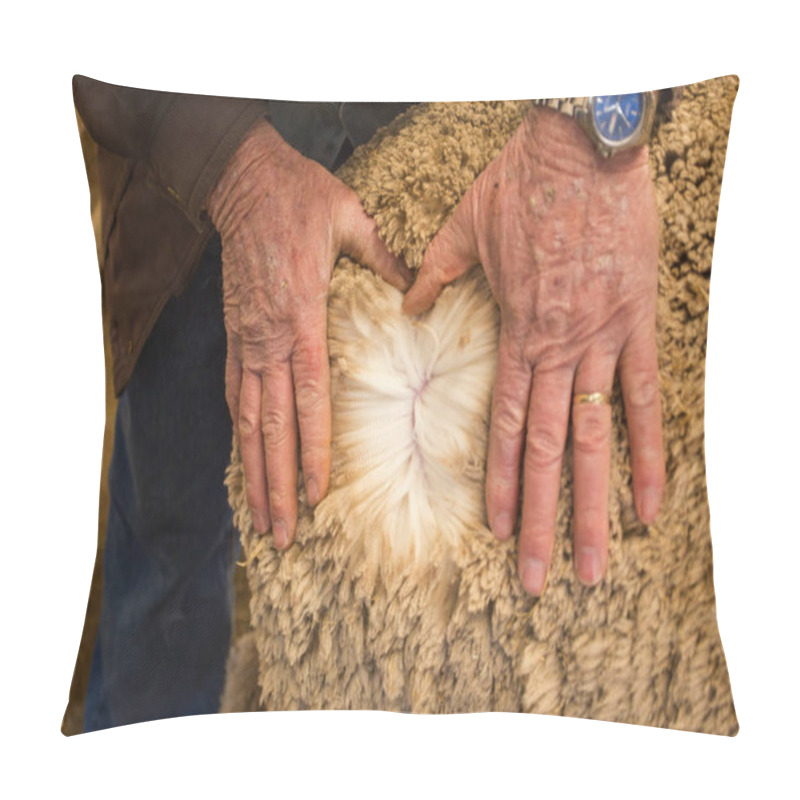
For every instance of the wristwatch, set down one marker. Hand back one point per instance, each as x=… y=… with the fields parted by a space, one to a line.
x=613 y=122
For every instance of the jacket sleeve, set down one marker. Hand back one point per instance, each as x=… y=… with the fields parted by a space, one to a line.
x=185 y=139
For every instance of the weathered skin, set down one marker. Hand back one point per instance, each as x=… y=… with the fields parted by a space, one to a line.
x=568 y=241
x=569 y=244
x=284 y=220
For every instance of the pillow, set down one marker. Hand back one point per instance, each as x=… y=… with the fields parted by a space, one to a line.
x=395 y=594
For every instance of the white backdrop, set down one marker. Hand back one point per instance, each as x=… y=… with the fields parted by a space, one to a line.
x=53 y=408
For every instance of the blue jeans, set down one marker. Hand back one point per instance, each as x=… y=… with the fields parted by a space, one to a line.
x=165 y=623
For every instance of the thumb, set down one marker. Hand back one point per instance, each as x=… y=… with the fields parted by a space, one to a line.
x=449 y=255
x=360 y=240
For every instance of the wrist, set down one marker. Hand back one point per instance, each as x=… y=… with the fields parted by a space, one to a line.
x=241 y=179
x=559 y=142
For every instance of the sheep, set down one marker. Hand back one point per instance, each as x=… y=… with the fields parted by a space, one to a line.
x=395 y=595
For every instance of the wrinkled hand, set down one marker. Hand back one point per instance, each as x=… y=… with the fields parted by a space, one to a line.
x=569 y=244
x=283 y=221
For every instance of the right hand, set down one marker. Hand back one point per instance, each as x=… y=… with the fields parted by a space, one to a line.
x=284 y=220
x=569 y=244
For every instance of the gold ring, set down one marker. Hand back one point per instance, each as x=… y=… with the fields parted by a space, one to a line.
x=593 y=398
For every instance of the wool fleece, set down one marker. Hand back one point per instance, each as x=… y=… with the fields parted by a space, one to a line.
x=395 y=595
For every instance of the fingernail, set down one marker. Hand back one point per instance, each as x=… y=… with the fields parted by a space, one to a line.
x=312 y=492
x=534 y=576
x=259 y=521
x=587 y=565
x=650 y=502
x=502 y=526
x=279 y=534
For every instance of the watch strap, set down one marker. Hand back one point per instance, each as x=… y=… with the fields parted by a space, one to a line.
x=571 y=106
x=579 y=108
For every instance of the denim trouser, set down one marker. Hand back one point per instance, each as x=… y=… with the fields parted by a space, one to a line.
x=165 y=622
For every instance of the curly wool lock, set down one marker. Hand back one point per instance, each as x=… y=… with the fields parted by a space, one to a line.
x=395 y=595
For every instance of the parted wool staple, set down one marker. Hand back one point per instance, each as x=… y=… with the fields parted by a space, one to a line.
x=395 y=594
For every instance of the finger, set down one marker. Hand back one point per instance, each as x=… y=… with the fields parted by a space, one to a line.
x=510 y=400
x=233 y=351
x=312 y=396
x=548 y=420
x=451 y=253
x=280 y=444
x=233 y=381
x=591 y=448
x=361 y=240
x=251 y=446
x=638 y=371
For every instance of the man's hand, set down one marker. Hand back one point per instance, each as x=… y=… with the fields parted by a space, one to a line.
x=569 y=244
x=284 y=220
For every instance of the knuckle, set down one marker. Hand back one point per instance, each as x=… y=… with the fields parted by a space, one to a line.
x=279 y=502
x=428 y=274
x=591 y=523
x=274 y=427
x=255 y=501
x=442 y=260
x=643 y=394
x=508 y=418
x=556 y=322
x=232 y=399
x=502 y=489
x=309 y=393
x=649 y=460
x=248 y=424
x=536 y=542
x=544 y=448
x=315 y=452
x=277 y=499
x=310 y=401
x=500 y=495
x=591 y=430
x=448 y=270
x=252 y=332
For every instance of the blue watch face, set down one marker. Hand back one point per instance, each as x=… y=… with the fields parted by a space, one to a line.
x=617 y=117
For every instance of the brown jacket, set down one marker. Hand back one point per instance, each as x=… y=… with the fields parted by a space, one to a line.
x=159 y=155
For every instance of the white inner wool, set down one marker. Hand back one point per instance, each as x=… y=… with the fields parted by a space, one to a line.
x=410 y=402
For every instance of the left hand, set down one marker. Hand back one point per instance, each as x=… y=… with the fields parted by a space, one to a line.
x=569 y=244
x=283 y=221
